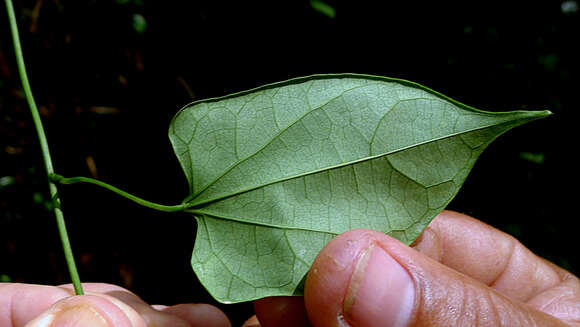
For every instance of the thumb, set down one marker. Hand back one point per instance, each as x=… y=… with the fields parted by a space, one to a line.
x=88 y=310
x=366 y=278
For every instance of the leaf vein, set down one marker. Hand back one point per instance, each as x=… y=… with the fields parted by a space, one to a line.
x=226 y=171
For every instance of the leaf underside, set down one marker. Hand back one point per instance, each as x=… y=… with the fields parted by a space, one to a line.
x=278 y=171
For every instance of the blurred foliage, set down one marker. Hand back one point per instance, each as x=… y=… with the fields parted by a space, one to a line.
x=109 y=75
x=323 y=8
x=538 y=158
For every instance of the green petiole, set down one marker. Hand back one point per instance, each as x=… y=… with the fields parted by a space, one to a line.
x=55 y=178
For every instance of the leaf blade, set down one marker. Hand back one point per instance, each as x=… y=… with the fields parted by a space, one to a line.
x=318 y=156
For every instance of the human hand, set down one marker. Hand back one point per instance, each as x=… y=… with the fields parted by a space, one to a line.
x=461 y=272
x=104 y=306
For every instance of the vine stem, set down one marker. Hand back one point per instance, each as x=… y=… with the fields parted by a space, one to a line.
x=68 y=254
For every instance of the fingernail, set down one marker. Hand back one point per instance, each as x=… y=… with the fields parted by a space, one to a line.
x=78 y=316
x=380 y=292
x=252 y=322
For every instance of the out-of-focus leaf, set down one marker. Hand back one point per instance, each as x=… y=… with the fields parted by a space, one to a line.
x=139 y=23
x=323 y=8
x=537 y=158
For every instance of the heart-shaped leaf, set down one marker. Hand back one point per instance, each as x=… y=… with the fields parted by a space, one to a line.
x=277 y=171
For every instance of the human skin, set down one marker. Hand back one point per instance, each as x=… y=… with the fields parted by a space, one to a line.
x=104 y=305
x=459 y=272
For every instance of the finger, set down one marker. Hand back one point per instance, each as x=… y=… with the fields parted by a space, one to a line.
x=199 y=315
x=281 y=311
x=21 y=303
x=181 y=315
x=487 y=255
x=122 y=297
x=87 y=310
x=366 y=278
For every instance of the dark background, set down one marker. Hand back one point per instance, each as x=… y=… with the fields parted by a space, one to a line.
x=109 y=75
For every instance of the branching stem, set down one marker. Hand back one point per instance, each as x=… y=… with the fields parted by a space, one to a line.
x=45 y=152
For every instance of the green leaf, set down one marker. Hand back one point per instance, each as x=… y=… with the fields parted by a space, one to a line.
x=278 y=171
x=537 y=158
x=139 y=23
x=323 y=8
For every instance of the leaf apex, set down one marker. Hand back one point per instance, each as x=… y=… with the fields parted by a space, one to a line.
x=540 y=113
x=529 y=115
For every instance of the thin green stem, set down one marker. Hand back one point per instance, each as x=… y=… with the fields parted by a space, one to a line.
x=45 y=152
x=71 y=180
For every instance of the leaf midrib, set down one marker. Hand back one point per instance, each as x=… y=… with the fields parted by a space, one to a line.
x=523 y=117
x=296 y=81
x=201 y=212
